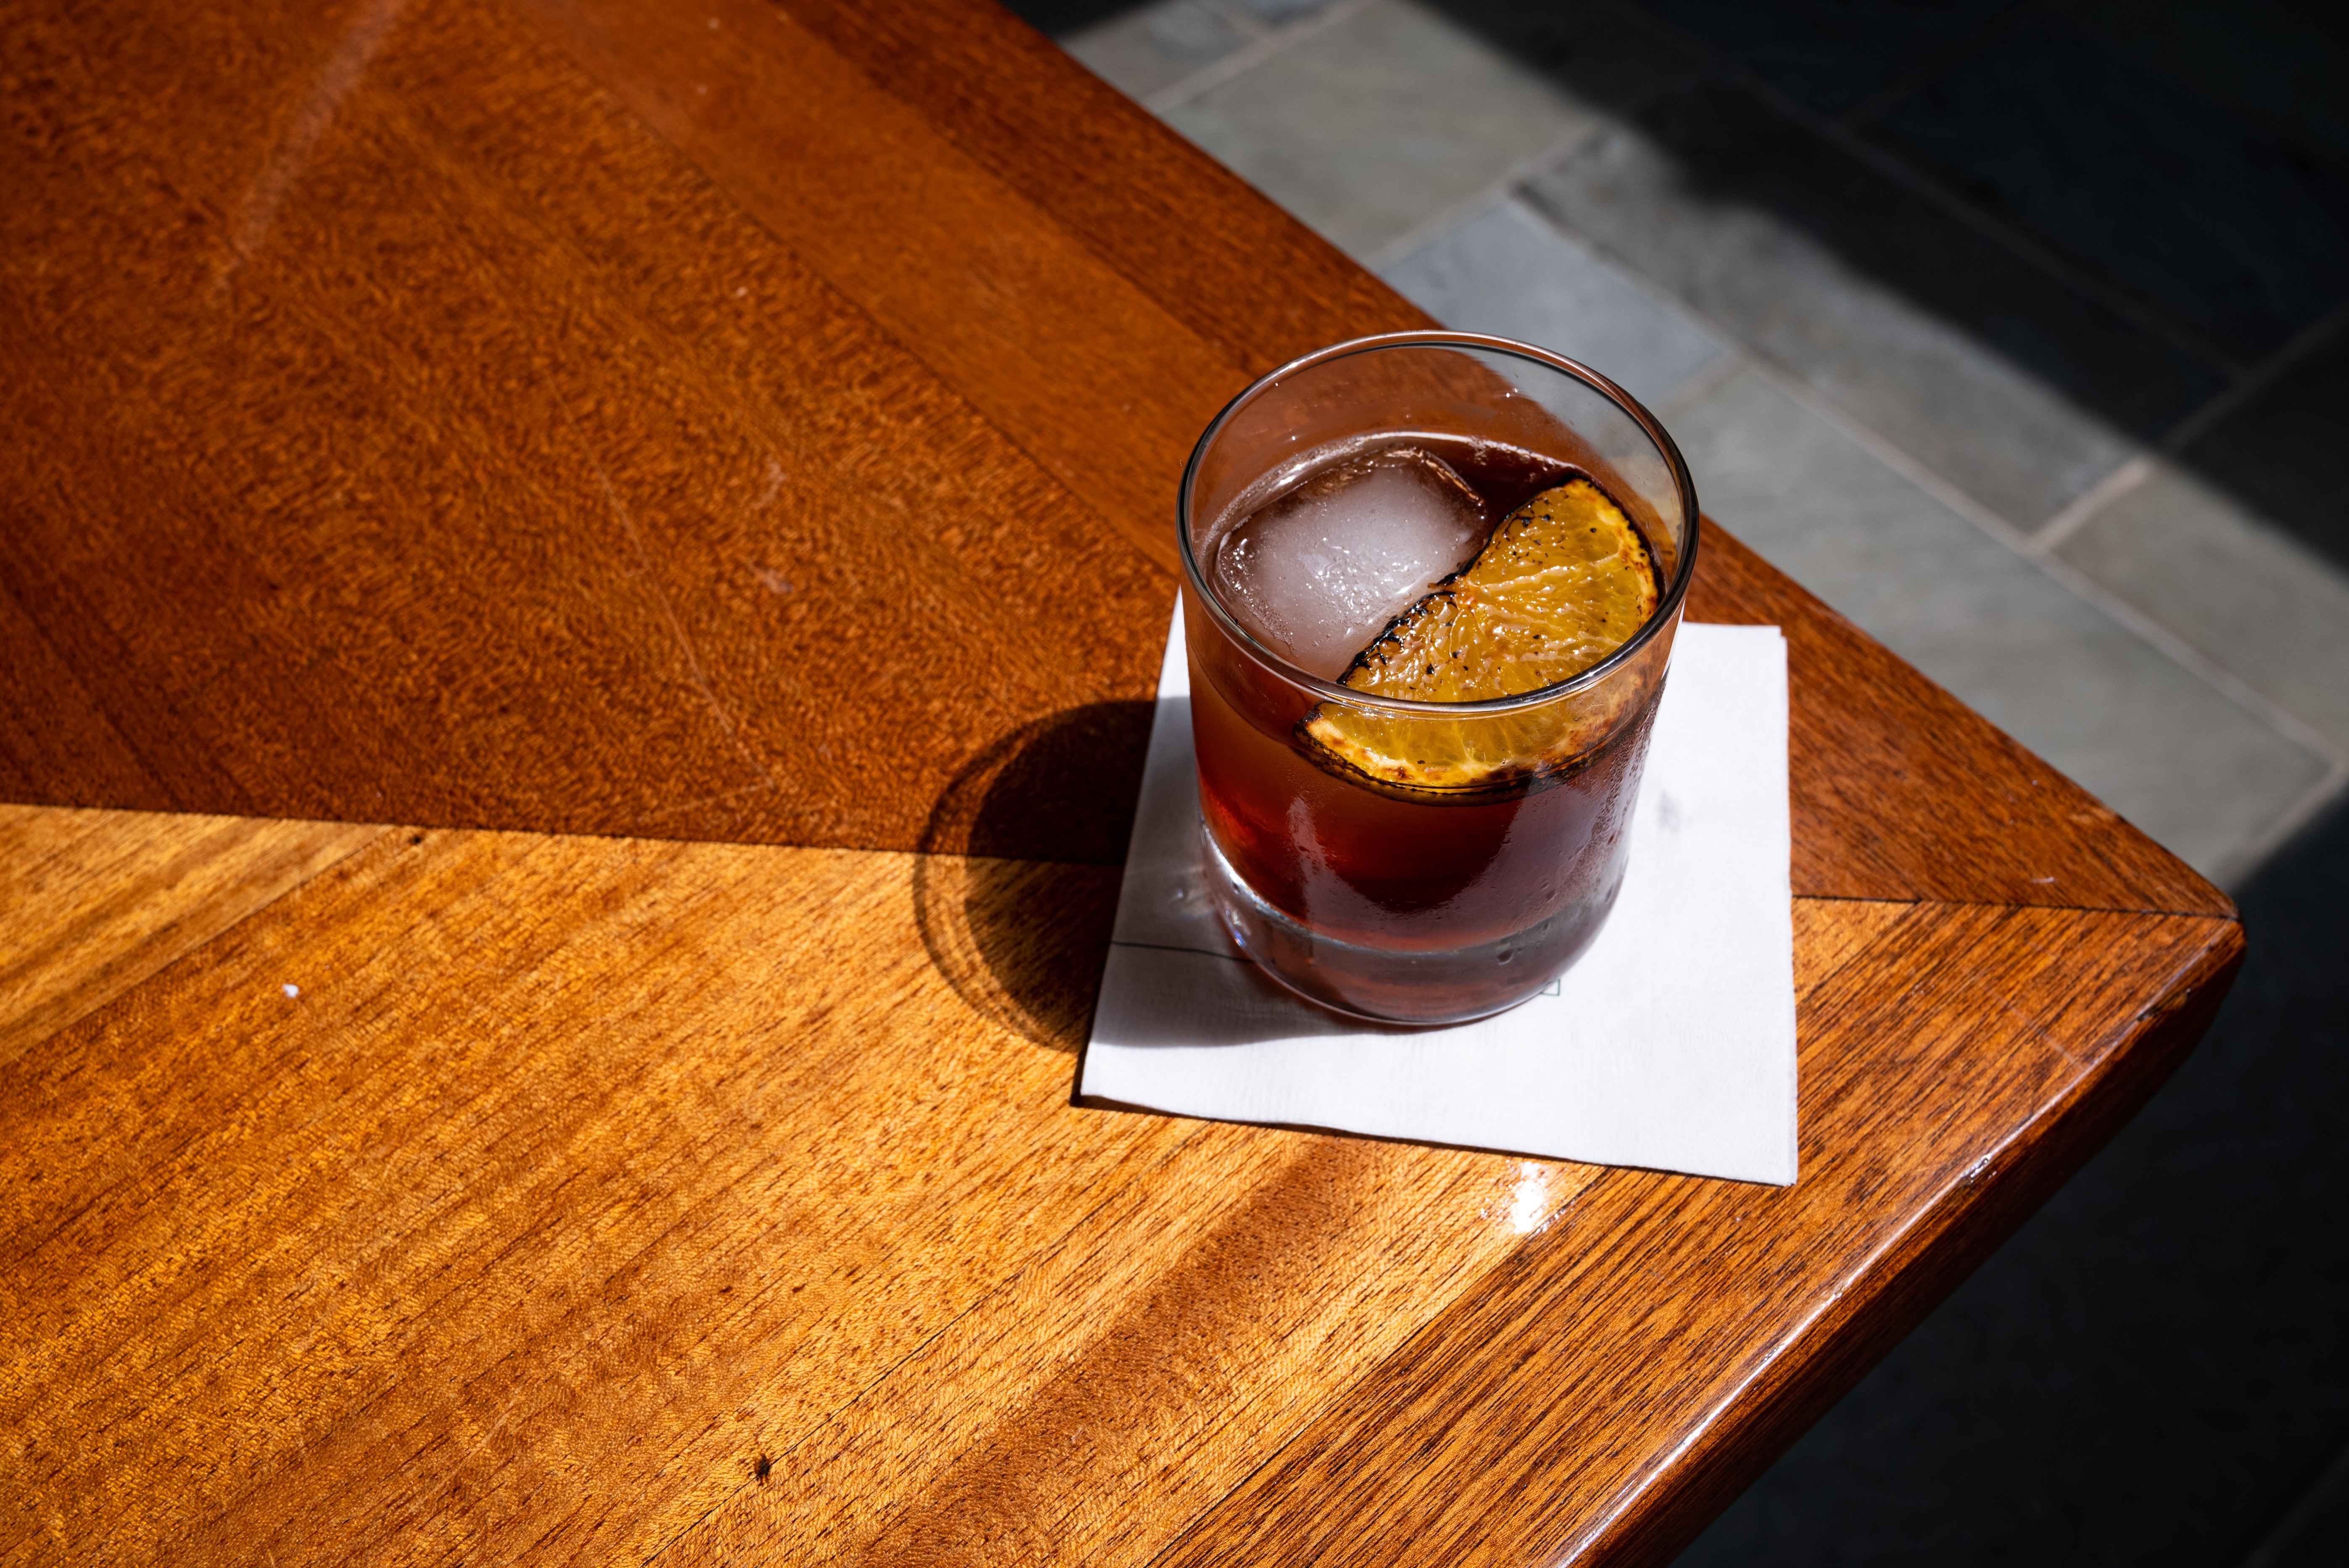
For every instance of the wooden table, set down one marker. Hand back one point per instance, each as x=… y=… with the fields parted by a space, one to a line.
x=579 y=584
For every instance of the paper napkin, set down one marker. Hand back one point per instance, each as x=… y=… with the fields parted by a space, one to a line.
x=1669 y=1044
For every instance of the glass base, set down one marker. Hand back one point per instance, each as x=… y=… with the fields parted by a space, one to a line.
x=1387 y=987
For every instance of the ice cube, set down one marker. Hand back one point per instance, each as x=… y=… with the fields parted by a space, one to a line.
x=1319 y=572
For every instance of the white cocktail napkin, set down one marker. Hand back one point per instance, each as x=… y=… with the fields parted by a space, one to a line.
x=1669 y=1044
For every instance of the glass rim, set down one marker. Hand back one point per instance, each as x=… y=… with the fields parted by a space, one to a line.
x=1667 y=607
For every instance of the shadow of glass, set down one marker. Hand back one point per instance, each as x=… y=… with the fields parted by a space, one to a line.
x=1191 y=999
x=1016 y=888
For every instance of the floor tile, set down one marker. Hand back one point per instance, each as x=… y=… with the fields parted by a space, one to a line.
x=2285 y=450
x=2199 y=215
x=1505 y=271
x=2245 y=595
x=1830 y=57
x=2013 y=388
x=2149 y=738
x=1373 y=126
x=1155 y=46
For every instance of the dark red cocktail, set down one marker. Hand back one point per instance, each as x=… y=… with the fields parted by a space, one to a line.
x=1407 y=859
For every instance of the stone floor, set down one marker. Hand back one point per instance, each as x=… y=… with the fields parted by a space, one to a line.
x=2071 y=458
x=2020 y=334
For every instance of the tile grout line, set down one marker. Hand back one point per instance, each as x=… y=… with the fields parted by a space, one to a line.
x=1509 y=190
x=1506 y=190
x=2278 y=717
x=1425 y=232
x=1246 y=59
x=2290 y=726
x=1502 y=190
x=1700 y=381
x=1508 y=187
x=2084 y=506
x=2131 y=472
x=2263 y=846
x=2258 y=379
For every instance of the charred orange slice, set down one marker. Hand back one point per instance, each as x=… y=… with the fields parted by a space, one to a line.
x=1564 y=581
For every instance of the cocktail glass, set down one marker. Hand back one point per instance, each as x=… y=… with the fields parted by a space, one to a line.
x=1393 y=902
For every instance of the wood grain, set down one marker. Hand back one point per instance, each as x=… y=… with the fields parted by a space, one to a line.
x=591 y=1169
x=583 y=1173
x=595 y=432
x=711 y=469
x=497 y=514
x=1495 y=1436
x=1021 y=318
x=1237 y=271
x=95 y=902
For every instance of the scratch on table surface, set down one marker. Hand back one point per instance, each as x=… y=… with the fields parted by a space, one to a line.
x=342 y=72
x=774 y=487
x=677 y=628
x=448 y=1482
